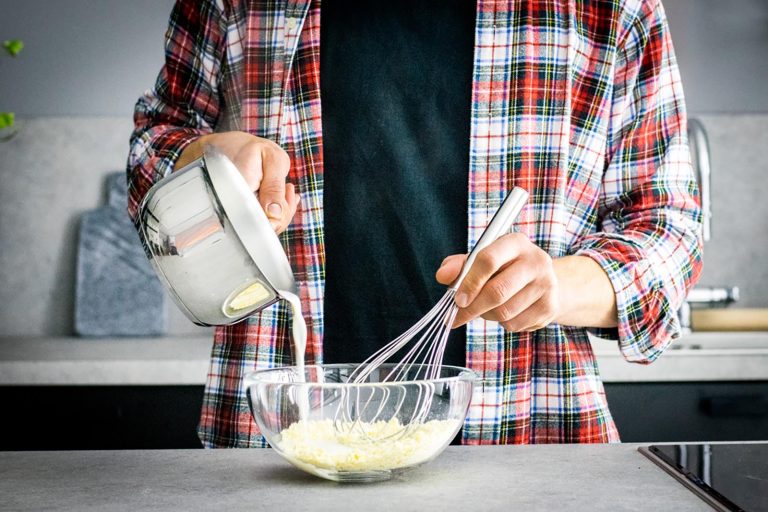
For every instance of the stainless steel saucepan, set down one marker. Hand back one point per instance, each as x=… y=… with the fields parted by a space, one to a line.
x=211 y=244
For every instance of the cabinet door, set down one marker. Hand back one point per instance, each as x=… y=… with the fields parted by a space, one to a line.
x=721 y=411
x=100 y=417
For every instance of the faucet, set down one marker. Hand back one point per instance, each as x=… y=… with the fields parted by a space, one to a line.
x=699 y=146
x=703 y=297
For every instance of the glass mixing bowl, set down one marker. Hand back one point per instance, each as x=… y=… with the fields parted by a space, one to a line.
x=358 y=432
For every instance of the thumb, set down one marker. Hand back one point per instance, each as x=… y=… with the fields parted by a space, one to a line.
x=450 y=268
x=272 y=189
x=274 y=204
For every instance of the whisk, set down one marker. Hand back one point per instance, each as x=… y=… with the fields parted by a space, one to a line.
x=424 y=344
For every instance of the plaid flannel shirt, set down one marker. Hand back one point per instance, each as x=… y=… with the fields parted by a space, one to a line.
x=580 y=103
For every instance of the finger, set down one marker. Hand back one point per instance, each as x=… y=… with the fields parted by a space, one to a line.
x=489 y=261
x=292 y=197
x=292 y=200
x=537 y=316
x=521 y=301
x=275 y=166
x=496 y=292
x=450 y=268
x=248 y=162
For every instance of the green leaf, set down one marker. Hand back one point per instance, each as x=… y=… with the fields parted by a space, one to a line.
x=13 y=46
x=6 y=119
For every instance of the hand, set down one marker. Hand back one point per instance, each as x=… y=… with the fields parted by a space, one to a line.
x=263 y=164
x=512 y=282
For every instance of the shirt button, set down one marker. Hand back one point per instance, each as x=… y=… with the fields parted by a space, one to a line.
x=290 y=23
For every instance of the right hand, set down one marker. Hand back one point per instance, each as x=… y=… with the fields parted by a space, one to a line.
x=263 y=164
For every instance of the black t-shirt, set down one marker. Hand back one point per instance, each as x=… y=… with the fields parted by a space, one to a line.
x=396 y=79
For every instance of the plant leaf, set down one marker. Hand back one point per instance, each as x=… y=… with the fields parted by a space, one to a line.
x=6 y=119
x=13 y=46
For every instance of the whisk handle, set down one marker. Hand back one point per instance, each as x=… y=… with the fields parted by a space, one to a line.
x=506 y=214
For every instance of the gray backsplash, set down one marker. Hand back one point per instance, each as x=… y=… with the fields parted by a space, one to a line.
x=54 y=170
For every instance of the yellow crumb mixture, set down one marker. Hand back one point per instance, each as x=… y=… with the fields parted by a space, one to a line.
x=323 y=445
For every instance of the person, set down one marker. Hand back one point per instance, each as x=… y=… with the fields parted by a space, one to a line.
x=430 y=114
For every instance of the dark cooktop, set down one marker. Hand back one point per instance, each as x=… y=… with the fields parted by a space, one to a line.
x=730 y=477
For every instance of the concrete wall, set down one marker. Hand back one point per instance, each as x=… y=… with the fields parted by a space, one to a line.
x=51 y=173
x=81 y=57
x=722 y=51
x=94 y=57
x=86 y=62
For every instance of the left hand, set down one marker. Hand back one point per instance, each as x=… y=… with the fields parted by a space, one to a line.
x=512 y=282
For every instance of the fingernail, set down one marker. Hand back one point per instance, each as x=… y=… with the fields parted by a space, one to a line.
x=274 y=210
x=462 y=299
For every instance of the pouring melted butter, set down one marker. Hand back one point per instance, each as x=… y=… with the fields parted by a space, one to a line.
x=298 y=329
x=299 y=335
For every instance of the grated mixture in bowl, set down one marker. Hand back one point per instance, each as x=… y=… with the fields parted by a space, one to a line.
x=320 y=444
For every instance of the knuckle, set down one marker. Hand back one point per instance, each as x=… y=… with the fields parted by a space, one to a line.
x=540 y=266
x=510 y=310
x=545 y=260
x=486 y=261
x=279 y=154
x=273 y=192
x=252 y=148
x=471 y=283
x=275 y=157
x=550 y=305
x=267 y=144
x=284 y=159
x=490 y=316
x=509 y=326
x=518 y=237
x=501 y=314
x=498 y=292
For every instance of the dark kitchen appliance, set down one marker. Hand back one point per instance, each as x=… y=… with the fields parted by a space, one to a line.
x=728 y=476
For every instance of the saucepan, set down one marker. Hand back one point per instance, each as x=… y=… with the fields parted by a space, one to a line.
x=211 y=244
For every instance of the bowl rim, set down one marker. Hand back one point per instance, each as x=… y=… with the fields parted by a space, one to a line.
x=258 y=376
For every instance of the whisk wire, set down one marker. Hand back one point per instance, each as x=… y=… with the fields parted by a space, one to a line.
x=421 y=364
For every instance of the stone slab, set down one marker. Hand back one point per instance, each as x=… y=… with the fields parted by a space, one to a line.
x=117 y=292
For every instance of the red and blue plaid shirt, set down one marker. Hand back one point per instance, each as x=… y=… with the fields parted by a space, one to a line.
x=580 y=103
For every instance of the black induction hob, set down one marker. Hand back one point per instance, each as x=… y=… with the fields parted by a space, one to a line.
x=730 y=477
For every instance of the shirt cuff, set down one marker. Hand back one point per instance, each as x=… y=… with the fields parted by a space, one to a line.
x=153 y=156
x=646 y=322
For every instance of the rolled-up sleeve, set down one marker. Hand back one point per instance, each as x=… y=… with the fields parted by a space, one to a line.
x=184 y=102
x=649 y=239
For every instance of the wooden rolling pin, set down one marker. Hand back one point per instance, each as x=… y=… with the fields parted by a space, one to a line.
x=729 y=319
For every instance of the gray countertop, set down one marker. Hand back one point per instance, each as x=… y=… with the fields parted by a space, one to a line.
x=555 y=477
x=728 y=356
x=104 y=361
